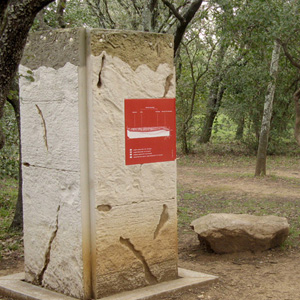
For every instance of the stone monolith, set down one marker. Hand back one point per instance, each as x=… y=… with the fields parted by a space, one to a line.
x=93 y=225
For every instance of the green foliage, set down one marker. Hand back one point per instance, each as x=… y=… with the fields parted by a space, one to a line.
x=76 y=14
x=249 y=29
x=10 y=240
x=9 y=155
x=223 y=129
x=190 y=93
x=8 y=198
x=134 y=15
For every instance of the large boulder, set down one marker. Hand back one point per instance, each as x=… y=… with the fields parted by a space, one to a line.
x=228 y=233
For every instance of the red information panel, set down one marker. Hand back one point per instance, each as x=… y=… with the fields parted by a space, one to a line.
x=150 y=130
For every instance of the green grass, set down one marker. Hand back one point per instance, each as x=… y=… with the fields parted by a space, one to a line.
x=194 y=202
x=8 y=197
x=237 y=160
x=270 y=177
x=10 y=240
x=211 y=159
x=284 y=178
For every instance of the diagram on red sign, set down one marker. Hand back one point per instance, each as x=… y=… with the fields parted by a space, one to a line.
x=150 y=130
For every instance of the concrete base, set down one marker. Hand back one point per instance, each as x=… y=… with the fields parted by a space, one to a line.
x=14 y=286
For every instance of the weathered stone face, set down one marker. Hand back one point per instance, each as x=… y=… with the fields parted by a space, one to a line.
x=94 y=226
x=228 y=233
x=52 y=197
x=134 y=48
x=127 y=253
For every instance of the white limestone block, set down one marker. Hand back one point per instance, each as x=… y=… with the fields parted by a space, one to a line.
x=93 y=225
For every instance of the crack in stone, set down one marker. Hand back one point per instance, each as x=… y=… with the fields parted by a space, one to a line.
x=148 y=274
x=26 y=164
x=40 y=276
x=168 y=84
x=44 y=125
x=99 y=83
x=164 y=217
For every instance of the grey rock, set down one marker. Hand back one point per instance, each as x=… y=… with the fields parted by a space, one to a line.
x=229 y=233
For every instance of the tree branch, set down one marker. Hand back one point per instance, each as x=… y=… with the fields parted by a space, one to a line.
x=61 y=5
x=174 y=11
x=137 y=8
x=191 y=11
x=207 y=63
x=188 y=16
x=113 y=24
x=153 y=3
x=96 y=9
x=154 y=13
x=289 y=56
x=167 y=24
x=123 y=4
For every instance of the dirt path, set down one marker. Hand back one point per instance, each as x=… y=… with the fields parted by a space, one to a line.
x=241 y=180
x=245 y=276
x=274 y=274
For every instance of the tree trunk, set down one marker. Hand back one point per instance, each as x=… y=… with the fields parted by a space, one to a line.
x=185 y=148
x=207 y=126
x=213 y=109
x=297 y=110
x=240 y=129
x=215 y=96
x=296 y=64
x=16 y=18
x=268 y=108
x=15 y=102
x=18 y=216
x=256 y=117
x=2 y=138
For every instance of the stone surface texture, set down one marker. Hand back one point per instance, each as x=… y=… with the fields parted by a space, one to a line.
x=13 y=286
x=133 y=247
x=92 y=225
x=49 y=92
x=228 y=233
